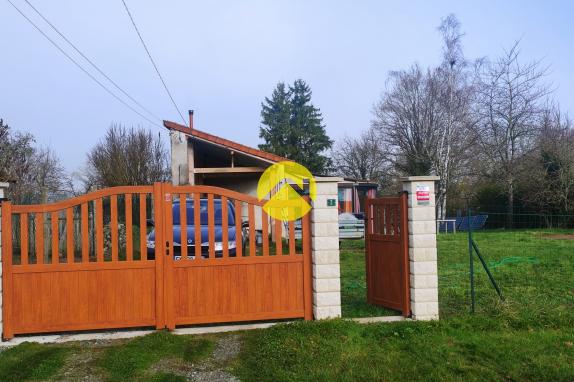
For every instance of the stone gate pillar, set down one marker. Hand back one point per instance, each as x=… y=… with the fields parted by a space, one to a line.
x=325 y=249
x=422 y=246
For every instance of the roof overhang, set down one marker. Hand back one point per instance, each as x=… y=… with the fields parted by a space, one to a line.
x=222 y=142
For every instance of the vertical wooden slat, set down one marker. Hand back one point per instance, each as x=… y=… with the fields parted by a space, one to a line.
x=39 y=239
x=211 y=225
x=307 y=273
x=291 y=238
x=397 y=228
x=224 y=227
x=85 y=234
x=7 y=330
x=238 y=229
x=168 y=238
x=24 y=238
x=168 y=258
x=159 y=261
x=114 y=225
x=129 y=234
x=55 y=217
x=183 y=224
x=70 y=235
x=369 y=209
x=265 y=232
x=143 y=227
x=197 y=224
x=278 y=237
x=252 y=242
x=99 y=230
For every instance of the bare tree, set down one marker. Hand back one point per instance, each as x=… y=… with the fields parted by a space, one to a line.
x=508 y=106
x=36 y=174
x=548 y=185
x=452 y=138
x=407 y=116
x=127 y=157
x=363 y=158
x=424 y=116
x=50 y=180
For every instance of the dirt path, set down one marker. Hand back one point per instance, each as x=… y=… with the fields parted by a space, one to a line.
x=81 y=364
x=212 y=369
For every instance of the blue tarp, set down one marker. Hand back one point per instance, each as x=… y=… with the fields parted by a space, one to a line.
x=461 y=223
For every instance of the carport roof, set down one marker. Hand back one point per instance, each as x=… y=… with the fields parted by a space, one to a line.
x=193 y=132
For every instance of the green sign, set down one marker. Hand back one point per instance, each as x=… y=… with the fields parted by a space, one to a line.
x=331 y=202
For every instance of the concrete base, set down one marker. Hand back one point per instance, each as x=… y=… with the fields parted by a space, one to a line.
x=126 y=334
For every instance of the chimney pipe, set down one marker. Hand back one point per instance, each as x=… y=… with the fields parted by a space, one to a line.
x=191 y=119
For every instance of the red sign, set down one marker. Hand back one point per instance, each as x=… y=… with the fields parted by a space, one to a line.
x=423 y=195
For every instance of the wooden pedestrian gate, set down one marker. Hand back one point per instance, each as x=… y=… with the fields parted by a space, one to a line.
x=387 y=252
x=116 y=258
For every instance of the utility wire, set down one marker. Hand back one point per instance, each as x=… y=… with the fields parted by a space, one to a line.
x=153 y=62
x=91 y=62
x=80 y=66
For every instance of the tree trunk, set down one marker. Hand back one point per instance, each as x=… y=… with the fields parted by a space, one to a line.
x=510 y=211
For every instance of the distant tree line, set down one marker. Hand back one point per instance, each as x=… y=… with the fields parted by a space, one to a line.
x=123 y=157
x=35 y=173
x=489 y=129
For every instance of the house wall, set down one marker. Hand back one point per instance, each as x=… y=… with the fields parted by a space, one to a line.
x=179 y=158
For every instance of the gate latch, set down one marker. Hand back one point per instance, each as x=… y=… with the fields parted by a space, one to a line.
x=167 y=248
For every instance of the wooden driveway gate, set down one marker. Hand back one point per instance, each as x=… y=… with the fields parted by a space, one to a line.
x=387 y=252
x=88 y=263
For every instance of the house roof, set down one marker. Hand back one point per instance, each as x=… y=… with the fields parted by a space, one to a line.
x=193 y=132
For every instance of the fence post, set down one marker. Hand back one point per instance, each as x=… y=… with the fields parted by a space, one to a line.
x=325 y=250
x=3 y=187
x=422 y=246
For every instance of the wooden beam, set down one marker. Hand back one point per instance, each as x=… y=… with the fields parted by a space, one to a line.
x=217 y=170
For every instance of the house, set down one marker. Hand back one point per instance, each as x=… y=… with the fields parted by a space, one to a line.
x=200 y=158
x=352 y=194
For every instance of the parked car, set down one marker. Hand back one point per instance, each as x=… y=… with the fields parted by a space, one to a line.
x=218 y=228
x=350 y=227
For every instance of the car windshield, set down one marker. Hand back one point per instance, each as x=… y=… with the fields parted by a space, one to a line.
x=203 y=213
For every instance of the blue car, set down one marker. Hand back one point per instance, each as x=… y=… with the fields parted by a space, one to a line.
x=218 y=242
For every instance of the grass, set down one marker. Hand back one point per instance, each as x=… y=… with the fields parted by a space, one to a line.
x=528 y=336
x=31 y=362
x=353 y=283
x=132 y=360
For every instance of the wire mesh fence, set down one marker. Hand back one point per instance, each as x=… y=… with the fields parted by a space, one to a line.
x=533 y=262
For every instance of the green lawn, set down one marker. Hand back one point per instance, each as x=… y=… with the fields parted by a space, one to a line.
x=529 y=336
x=353 y=284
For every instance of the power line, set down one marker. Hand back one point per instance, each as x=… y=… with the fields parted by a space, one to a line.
x=80 y=66
x=153 y=62
x=90 y=61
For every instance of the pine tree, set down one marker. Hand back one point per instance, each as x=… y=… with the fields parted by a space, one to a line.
x=275 y=115
x=292 y=127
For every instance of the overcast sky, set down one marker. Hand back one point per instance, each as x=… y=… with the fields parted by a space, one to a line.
x=222 y=58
